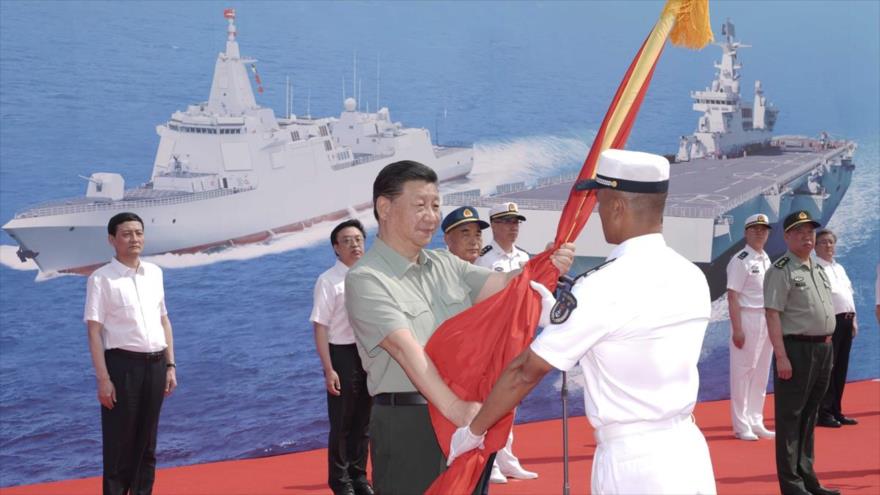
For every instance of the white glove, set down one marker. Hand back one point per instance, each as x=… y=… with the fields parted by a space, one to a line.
x=547 y=302
x=463 y=441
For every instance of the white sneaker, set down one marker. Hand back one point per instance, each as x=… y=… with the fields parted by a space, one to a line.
x=763 y=432
x=748 y=436
x=496 y=476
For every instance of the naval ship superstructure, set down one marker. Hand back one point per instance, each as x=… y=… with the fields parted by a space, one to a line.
x=729 y=169
x=228 y=171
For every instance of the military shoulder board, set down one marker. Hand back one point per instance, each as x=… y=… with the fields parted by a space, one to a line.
x=743 y=255
x=593 y=270
x=781 y=262
x=485 y=250
x=565 y=300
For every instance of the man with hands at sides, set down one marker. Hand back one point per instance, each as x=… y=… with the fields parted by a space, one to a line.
x=637 y=331
x=132 y=351
x=750 y=349
x=399 y=293
x=348 y=402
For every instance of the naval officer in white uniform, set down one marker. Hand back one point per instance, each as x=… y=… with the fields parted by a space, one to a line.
x=501 y=254
x=750 y=348
x=636 y=330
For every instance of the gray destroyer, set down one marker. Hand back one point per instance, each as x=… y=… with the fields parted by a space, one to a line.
x=731 y=167
x=229 y=171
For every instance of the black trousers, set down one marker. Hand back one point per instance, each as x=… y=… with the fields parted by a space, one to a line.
x=406 y=455
x=130 y=428
x=349 y=413
x=842 y=343
x=797 y=402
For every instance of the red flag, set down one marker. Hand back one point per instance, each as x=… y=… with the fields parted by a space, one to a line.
x=257 y=78
x=498 y=329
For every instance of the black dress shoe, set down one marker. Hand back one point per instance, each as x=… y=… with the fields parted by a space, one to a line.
x=844 y=420
x=821 y=490
x=363 y=489
x=345 y=490
x=828 y=423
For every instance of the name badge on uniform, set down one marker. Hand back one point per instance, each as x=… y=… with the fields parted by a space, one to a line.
x=756 y=270
x=799 y=282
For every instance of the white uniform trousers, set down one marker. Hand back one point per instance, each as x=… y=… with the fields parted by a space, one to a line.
x=749 y=372
x=657 y=457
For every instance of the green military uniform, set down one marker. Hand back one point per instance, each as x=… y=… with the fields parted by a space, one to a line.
x=801 y=293
x=387 y=292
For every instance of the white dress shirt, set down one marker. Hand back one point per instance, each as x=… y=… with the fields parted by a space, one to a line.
x=841 y=287
x=329 y=306
x=637 y=332
x=129 y=303
x=745 y=275
x=500 y=261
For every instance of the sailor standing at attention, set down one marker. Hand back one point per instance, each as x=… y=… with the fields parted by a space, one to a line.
x=637 y=331
x=750 y=348
x=502 y=255
x=348 y=402
x=133 y=354
x=800 y=320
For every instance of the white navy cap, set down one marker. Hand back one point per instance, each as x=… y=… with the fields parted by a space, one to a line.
x=630 y=171
x=758 y=219
x=505 y=210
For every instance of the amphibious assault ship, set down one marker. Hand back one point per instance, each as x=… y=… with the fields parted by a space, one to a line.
x=729 y=168
x=228 y=171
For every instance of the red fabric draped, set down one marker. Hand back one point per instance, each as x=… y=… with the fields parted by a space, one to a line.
x=471 y=349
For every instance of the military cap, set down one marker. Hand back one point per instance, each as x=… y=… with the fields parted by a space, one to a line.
x=461 y=216
x=505 y=210
x=797 y=218
x=630 y=171
x=758 y=219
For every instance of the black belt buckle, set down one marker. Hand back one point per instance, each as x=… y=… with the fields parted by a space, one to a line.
x=400 y=399
x=146 y=356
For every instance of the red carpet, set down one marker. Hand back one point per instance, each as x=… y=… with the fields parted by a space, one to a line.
x=847 y=458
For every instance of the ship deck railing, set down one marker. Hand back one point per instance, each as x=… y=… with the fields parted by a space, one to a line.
x=134 y=199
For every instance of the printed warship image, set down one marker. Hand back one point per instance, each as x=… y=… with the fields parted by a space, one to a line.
x=228 y=171
x=730 y=168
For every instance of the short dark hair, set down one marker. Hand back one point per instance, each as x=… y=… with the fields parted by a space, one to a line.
x=390 y=181
x=824 y=232
x=344 y=225
x=120 y=218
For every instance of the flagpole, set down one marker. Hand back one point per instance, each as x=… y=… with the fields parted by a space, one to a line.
x=566 y=488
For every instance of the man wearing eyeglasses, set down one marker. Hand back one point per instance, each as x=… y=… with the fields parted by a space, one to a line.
x=502 y=255
x=348 y=402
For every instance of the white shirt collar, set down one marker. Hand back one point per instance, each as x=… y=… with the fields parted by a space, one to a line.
x=126 y=270
x=756 y=254
x=340 y=267
x=824 y=263
x=497 y=246
x=639 y=243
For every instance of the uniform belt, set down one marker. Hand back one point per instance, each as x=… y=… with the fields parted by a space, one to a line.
x=846 y=316
x=145 y=356
x=618 y=430
x=400 y=399
x=815 y=339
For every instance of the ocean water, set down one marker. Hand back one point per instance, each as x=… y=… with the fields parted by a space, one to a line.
x=83 y=84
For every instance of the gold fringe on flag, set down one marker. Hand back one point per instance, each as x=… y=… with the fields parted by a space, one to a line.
x=692 y=27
